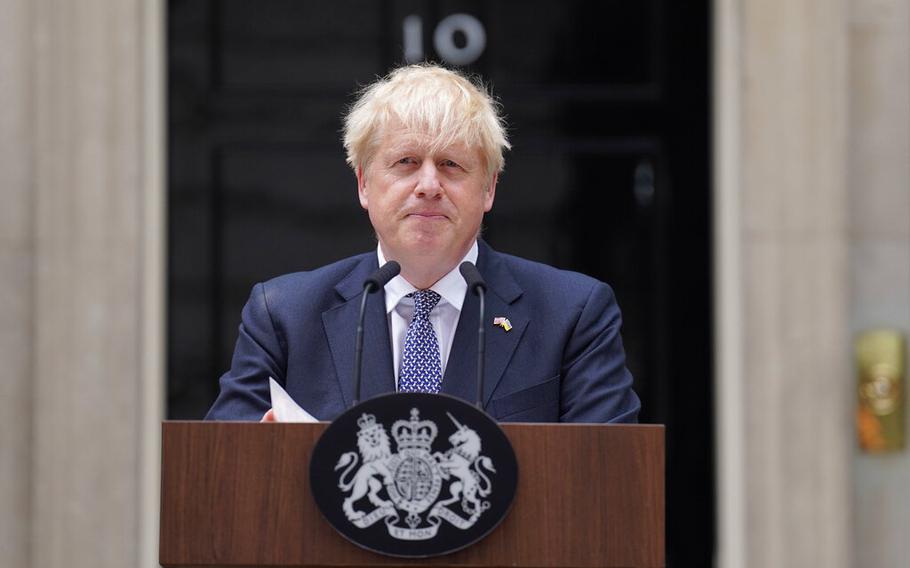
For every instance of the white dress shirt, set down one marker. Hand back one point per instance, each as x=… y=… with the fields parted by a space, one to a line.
x=444 y=317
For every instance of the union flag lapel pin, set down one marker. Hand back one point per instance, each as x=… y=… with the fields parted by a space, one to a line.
x=503 y=323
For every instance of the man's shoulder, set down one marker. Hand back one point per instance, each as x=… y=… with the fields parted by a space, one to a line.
x=530 y=274
x=315 y=285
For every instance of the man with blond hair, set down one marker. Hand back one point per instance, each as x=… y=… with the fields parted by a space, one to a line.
x=426 y=145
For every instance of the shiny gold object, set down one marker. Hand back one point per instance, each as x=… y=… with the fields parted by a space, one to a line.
x=881 y=358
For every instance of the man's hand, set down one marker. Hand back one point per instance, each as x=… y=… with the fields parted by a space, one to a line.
x=269 y=416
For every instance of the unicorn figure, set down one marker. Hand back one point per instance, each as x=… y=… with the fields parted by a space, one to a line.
x=464 y=462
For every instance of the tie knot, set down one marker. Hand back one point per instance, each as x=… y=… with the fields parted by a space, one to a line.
x=424 y=302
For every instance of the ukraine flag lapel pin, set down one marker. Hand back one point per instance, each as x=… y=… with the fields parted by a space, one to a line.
x=503 y=323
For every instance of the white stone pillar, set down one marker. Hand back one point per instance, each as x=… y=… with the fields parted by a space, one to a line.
x=784 y=382
x=16 y=282
x=879 y=182
x=81 y=281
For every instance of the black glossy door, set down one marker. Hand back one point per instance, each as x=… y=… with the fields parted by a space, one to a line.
x=607 y=106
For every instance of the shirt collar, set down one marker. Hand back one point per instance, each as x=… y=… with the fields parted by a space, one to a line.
x=451 y=287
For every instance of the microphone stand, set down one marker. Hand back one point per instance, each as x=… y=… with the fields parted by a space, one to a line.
x=358 y=342
x=375 y=282
x=476 y=284
x=481 y=346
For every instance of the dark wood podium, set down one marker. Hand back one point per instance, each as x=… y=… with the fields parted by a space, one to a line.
x=237 y=494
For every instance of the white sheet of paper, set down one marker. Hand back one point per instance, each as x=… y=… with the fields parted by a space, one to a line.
x=284 y=407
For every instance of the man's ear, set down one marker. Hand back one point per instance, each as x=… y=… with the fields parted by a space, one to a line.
x=490 y=194
x=362 y=187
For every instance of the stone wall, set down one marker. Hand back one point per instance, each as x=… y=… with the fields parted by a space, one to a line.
x=781 y=238
x=879 y=182
x=17 y=247
x=80 y=281
x=812 y=231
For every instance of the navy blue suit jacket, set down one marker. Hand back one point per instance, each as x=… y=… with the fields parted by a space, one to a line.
x=562 y=361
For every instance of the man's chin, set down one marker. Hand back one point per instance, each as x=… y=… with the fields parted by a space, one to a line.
x=428 y=248
x=427 y=244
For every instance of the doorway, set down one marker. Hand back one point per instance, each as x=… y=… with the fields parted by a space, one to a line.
x=608 y=113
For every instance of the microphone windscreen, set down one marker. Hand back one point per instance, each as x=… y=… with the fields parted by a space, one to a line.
x=382 y=275
x=472 y=276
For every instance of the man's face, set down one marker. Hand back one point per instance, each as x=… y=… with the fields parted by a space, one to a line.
x=426 y=207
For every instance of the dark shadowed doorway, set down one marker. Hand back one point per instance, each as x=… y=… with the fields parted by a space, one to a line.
x=608 y=112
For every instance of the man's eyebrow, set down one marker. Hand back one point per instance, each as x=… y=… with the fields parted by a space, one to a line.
x=405 y=147
x=412 y=146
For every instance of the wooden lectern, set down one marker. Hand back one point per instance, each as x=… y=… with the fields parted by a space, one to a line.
x=237 y=494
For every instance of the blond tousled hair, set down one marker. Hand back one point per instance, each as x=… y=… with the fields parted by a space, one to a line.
x=431 y=100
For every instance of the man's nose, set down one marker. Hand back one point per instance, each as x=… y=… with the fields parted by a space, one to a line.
x=428 y=183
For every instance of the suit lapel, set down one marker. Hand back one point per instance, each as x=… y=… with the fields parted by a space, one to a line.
x=340 y=323
x=501 y=301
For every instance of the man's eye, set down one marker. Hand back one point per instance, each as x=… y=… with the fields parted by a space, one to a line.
x=450 y=164
x=405 y=161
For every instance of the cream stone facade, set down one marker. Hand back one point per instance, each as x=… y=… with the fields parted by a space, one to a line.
x=81 y=281
x=812 y=227
x=781 y=265
x=879 y=202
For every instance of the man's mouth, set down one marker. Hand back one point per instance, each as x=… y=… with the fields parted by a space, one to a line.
x=428 y=215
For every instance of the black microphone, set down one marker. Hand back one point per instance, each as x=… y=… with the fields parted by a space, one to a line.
x=375 y=282
x=478 y=286
x=382 y=275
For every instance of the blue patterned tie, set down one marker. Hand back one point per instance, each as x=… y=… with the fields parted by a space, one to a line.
x=421 y=370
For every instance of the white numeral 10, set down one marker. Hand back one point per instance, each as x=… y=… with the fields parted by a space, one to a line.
x=444 y=39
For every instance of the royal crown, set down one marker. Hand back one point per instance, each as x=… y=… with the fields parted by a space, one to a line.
x=414 y=434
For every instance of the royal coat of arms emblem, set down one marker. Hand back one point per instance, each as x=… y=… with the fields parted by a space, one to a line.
x=404 y=488
x=413 y=474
